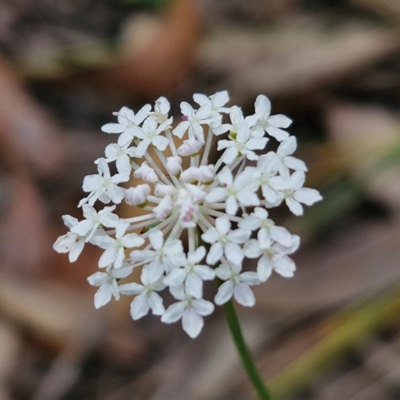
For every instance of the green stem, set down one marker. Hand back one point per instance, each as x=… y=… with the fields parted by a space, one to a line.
x=244 y=353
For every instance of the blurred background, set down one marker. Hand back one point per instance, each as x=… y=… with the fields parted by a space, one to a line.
x=333 y=331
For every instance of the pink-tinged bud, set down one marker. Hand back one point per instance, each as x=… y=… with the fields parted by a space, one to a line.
x=136 y=196
x=174 y=165
x=188 y=214
x=189 y=147
x=146 y=173
x=163 y=209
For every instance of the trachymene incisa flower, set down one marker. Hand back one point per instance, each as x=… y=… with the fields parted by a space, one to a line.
x=220 y=208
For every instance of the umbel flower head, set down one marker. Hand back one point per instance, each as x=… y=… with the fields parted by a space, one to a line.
x=192 y=221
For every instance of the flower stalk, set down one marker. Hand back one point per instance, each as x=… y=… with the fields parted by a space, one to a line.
x=244 y=352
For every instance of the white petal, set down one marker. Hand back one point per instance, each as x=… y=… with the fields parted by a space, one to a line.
x=196 y=256
x=306 y=196
x=295 y=164
x=262 y=105
x=139 y=307
x=256 y=143
x=214 y=254
x=231 y=205
x=264 y=268
x=113 y=128
x=201 y=99
x=194 y=286
x=160 y=142
x=203 y=307
x=192 y=323
x=229 y=155
x=249 y=278
x=234 y=253
x=243 y=295
x=181 y=129
x=173 y=313
x=281 y=235
x=250 y=223
x=103 y=295
x=252 y=249
x=225 y=292
x=279 y=121
x=294 y=206
x=277 y=133
x=223 y=224
x=206 y=273
x=156 y=303
x=175 y=277
x=131 y=289
x=239 y=236
x=297 y=179
x=210 y=236
x=220 y=98
x=284 y=266
x=76 y=250
x=156 y=238
x=216 y=195
x=108 y=257
x=98 y=279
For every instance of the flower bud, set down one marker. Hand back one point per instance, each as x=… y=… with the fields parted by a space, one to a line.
x=189 y=147
x=146 y=173
x=164 y=190
x=136 y=196
x=163 y=209
x=174 y=165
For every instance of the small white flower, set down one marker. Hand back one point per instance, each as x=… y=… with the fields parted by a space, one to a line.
x=237 y=284
x=146 y=294
x=267 y=230
x=161 y=110
x=108 y=286
x=225 y=242
x=240 y=190
x=164 y=257
x=192 y=274
x=87 y=227
x=294 y=193
x=114 y=253
x=192 y=120
x=103 y=186
x=274 y=256
x=272 y=124
x=150 y=134
x=241 y=143
x=285 y=159
x=71 y=243
x=127 y=122
x=191 y=311
x=121 y=156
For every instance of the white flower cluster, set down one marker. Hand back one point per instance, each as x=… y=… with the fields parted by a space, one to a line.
x=192 y=221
